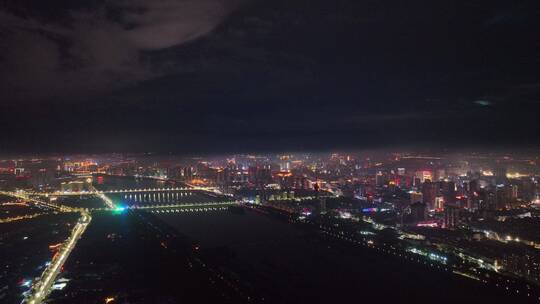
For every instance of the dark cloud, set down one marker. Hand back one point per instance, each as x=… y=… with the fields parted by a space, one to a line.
x=209 y=75
x=91 y=49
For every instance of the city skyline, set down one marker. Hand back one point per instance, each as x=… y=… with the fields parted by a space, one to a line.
x=464 y=224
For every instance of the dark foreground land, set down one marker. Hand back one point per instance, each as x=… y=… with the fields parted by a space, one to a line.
x=131 y=259
x=25 y=251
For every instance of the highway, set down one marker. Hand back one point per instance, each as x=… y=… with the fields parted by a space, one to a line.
x=23 y=195
x=42 y=287
x=21 y=217
x=103 y=197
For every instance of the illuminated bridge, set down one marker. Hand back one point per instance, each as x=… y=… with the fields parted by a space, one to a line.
x=95 y=192
x=157 y=200
x=161 y=198
x=144 y=198
x=178 y=207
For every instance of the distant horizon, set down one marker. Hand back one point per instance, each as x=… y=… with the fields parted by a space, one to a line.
x=432 y=151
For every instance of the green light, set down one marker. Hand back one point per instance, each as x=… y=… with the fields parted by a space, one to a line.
x=483 y=103
x=119 y=209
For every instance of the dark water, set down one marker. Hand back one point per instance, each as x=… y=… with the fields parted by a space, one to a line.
x=284 y=263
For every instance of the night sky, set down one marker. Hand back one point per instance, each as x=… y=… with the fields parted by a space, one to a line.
x=191 y=76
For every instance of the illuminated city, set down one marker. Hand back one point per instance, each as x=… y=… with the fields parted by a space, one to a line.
x=269 y=151
x=473 y=217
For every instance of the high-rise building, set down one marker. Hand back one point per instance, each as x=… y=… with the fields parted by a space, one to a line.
x=423 y=175
x=416 y=197
x=417 y=182
x=223 y=176
x=473 y=187
x=418 y=212
x=500 y=174
x=380 y=179
x=439 y=203
x=440 y=174
x=260 y=174
x=451 y=217
x=322 y=205
x=429 y=193
x=187 y=173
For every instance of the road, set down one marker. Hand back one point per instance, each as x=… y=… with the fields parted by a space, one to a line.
x=21 y=217
x=24 y=195
x=103 y=197
x=42 y=287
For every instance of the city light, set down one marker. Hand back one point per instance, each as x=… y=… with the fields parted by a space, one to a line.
x=389 y=211
x=109 y=300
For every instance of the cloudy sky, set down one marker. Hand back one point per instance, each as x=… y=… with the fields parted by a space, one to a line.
x=252 y=75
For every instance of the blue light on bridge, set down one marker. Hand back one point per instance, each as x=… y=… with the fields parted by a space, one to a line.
x=119 y=209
